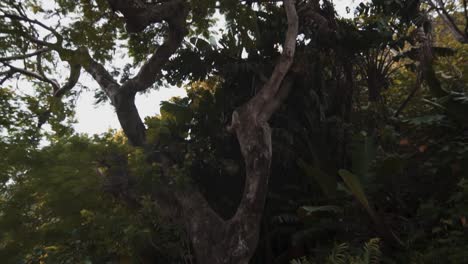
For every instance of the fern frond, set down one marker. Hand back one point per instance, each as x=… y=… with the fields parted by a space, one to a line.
x=372 y=253
x=302 y=260
x=339 y=254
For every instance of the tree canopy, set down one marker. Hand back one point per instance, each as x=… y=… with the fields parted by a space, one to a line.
x=304 y=137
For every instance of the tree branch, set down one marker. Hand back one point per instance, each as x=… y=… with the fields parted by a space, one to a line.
x=442 y=11
x=270 y=88
x=24 y=56
x=263 y=103
x=176 y=19
x=33 y=21
x=98 y=72
x=280 y=96
x=138 y=14
x=33 y=75
x=75 y=71
x=149 y=72
x=8 y=74
x=30 y=38
x=123 y=100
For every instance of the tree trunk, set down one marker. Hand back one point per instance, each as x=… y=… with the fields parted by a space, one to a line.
x=213 y=239
x=235 y=240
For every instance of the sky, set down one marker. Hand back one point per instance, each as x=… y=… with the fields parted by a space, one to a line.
x=94 y=119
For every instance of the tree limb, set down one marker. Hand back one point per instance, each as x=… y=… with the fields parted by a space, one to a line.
x=459 y=35
x=30 y=38
x=24 y=56
x=123 y=100
x=58 y=91
x=31 y=74
x=138 y=14
x=8 y=74
x=33 y=21
x=280 y=96
x=98 y=72
x=270 y=88
x=75 y=71
x=258 y=105
x=149 y=72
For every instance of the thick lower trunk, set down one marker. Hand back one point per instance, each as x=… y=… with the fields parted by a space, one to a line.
x=234 y=241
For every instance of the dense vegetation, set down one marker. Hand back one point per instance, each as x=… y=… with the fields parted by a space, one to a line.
x=366 y=160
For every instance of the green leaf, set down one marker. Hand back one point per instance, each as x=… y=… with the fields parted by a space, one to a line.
x=363 y=154
x=326 y=182
x=425 y=120
x=354 y=185
x=324 y=208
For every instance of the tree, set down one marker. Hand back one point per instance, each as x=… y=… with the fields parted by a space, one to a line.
x=299 y=130
x=236 y=238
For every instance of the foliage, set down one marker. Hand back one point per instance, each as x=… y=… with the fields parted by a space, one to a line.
x=362 y=148
x=340 y=254
x=56 y=210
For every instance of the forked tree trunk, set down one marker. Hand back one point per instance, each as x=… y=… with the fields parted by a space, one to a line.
x=234 y=241
x=214 y=239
